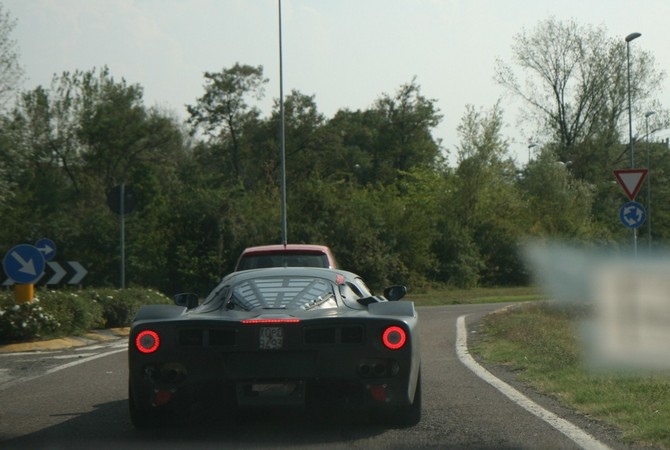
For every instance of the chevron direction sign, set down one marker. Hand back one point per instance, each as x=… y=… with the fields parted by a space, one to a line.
x=69 y=272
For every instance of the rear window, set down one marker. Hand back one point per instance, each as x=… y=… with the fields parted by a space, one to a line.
x=283 y=260
x=284 y=293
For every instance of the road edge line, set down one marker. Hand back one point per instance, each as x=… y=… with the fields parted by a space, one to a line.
x=574 y=433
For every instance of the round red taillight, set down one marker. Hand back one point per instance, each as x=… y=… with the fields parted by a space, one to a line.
x=147 y=341
x=394 y=337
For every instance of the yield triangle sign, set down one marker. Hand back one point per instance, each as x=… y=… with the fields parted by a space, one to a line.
x=631 y=180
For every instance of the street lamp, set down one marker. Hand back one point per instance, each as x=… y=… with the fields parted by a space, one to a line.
x=646 y=132
x=282 y=145
x=531 y=145
x=629 y=38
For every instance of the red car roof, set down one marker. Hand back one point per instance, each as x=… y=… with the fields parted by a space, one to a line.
x=288 y=248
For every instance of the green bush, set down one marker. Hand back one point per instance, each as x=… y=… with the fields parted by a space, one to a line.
x=25 y=321
x=73 y=310
x=119 y=306
x=70 y=312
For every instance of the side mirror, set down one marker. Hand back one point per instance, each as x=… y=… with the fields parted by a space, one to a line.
x=394 y=293
x=188 y=300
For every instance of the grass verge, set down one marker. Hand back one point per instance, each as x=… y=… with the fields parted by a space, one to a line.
x=540 y=342
x=476 y=295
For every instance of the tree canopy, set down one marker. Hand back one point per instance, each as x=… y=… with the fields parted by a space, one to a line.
x=11 y=72
x=373 y=184
x=575 y=90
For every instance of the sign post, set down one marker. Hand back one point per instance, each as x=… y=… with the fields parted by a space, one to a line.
x=121 y=200
x=24 y=293
x=632 y=214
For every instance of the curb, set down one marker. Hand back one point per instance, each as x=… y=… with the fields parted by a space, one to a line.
x=90 y=338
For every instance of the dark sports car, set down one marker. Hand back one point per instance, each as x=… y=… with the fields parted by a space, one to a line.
x=310 y=337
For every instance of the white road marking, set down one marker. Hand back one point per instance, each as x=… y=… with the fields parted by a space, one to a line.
x=82 y=361
x=39 y=352
x=576 y=434
x=77 y=355
x=15 y=381
x=57 y=357
x=4 y=376
x=89 y=347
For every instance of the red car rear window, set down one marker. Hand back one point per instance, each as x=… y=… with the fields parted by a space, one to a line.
x=283 y=260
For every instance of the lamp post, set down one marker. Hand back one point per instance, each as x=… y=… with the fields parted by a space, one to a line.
x=531 y=145
x=646 y=132
x=629 y=38
x=282 y=149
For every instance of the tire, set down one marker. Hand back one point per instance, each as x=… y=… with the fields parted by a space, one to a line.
x=140 y=418
x=410 y=415
x=407 y=415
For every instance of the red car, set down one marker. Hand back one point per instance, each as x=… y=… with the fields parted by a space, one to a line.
x=286 y=255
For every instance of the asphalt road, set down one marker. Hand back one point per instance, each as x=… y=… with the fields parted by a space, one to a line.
x=77 y=398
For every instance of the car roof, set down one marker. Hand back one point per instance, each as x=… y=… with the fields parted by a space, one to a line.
x=286 y=248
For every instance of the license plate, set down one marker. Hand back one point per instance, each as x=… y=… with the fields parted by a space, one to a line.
x=273 y=389
x=271 y=338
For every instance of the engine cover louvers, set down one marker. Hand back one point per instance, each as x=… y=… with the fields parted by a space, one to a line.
x=334 y=335
x=215 y=337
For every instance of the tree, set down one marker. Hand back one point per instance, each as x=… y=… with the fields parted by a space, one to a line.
x=11 y=72
x=392 y=137
x=404 y=139
x=93 y=128
x=223 y=110
x=558 y=205
x=485 y=172
x=77 y=139
x=576 y=86
x=368 y=183
x=352 y=139
x=304 y=150
x=485 y=206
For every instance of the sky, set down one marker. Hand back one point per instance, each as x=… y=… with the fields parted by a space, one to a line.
x=345 y=53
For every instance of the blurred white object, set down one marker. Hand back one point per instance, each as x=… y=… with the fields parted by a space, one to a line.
x=629 y=324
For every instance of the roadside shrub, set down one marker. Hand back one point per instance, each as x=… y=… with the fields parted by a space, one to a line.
x=25 y=321
x=74 y=311
x=119 y=306
x=50 y=314
x=70 y=312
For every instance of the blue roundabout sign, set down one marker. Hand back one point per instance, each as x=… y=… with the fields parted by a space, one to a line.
x=632 y=214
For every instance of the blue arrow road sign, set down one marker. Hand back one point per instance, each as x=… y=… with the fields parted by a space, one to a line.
x=24 y=264
x=47 y=248
x=632 y=214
